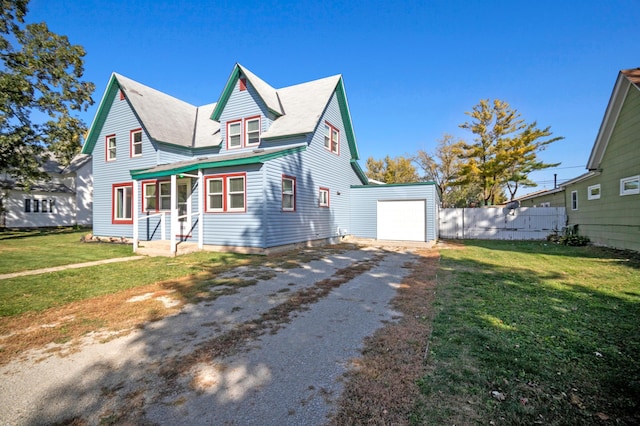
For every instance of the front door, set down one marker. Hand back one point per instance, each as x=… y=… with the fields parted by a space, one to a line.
x=184 y=207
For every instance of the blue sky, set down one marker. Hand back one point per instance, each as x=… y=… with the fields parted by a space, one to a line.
x=411 y=68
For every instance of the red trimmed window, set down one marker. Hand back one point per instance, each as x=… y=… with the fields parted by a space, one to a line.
x=252 y=131
x=226 y=193
x=331 y=138
x=234 y=134
x=323 y=197
x=156 y=196
x=243 y=132
x=121 y=203
x=136 y=143
x=110 y=147
x=288 y=193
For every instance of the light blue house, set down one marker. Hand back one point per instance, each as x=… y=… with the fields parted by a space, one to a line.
x=259 y=169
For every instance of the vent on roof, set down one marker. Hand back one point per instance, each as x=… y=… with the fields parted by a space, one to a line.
x=243 y=84
x=121 y=95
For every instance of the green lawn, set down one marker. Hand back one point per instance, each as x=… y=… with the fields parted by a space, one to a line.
x=35 y=293
x=26 y=250
x=534 y=333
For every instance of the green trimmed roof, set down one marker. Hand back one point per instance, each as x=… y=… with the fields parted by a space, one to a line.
x=237 y=159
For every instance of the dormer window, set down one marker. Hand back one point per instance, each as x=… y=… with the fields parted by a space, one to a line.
x=234 y=130
x=252 y=131
x=243 y=133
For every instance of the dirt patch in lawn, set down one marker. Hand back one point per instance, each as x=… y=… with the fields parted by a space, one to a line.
x=382 y=388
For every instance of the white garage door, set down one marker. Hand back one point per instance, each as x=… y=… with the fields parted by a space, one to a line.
x=401 y=220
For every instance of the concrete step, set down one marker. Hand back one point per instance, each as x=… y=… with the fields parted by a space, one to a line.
x=163 y=248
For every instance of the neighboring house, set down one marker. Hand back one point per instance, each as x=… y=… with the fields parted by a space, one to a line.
x=258 y=169
x=63 y=200
x=544 y=198
x=605 y=201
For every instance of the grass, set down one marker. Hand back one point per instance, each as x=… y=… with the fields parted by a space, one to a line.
x=36 y=293
x=533 y=333
x=35 y=249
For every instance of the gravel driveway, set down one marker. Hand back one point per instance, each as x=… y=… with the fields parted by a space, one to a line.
x=288 y=372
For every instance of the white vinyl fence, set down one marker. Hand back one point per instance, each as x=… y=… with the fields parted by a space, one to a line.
x=523 y=223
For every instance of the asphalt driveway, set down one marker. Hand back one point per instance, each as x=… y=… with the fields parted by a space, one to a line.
x=286 y=345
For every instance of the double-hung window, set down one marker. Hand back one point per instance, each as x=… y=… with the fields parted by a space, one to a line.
x=110 y=147
x=574 y=200
x=122 y=206
x=150 y=196
x=164 y=195
x=156 y=196
x=136 y=143
x=252 y=131
x=630 y=185
x=243 y=132
x=235 y=194
x=234 y=131
x=226 y=193
x=215 y=195
x=323 y=197
x=288 y=193
x=331 y=138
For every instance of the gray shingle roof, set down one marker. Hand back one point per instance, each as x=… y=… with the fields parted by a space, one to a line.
x=168 y=119
x=303 y=105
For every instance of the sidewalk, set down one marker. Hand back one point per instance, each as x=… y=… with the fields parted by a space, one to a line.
x=72 y=266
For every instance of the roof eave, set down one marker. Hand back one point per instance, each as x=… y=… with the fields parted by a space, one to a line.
x=619 y=94
x=101 y=116
x=150 y=174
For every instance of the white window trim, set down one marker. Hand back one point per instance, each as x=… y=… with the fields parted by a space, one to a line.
x=127 y=216
x=591 y=189
x=623 y=181
x=574 y=197
x=239 y=134
x=246 y=132
x=226 y=193
x=166 y=196
x=145 y=196
x=133 y=144
x=229 y=193
x=292 y=193
x=326 y=201
x=328 y=138
x=108 y=148
x=221 y=194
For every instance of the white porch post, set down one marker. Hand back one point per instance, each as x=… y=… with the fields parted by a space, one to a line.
x=174 y=212
x=201 y=205
x=134 y=195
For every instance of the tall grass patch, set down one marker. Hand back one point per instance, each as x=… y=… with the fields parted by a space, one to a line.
x=529 y=332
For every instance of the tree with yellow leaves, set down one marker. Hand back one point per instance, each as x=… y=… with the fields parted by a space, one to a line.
x=504 y=151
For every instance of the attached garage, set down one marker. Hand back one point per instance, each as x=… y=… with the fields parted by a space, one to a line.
x=399 y=212
x=401 y=220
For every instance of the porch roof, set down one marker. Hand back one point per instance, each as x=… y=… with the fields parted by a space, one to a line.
x=255 y=156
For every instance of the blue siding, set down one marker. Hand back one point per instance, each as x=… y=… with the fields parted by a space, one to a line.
x=364 y=200
x=243 y=104
x=314 y=168
x=120 y=121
